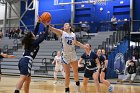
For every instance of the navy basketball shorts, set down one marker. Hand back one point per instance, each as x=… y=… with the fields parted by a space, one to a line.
x=25 y=65
x=0 y=68
x=101 y=70
x=88 y=73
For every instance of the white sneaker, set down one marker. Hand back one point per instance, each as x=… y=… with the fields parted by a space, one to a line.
x=110 y=89
x=54 y=82
x=77 y=88
x=67 y=92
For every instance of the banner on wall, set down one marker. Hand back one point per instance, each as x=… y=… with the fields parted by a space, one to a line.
x=119 y=64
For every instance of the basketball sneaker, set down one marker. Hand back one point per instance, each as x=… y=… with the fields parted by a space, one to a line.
x=67 y=92
x=54 y=82
x=16 y=91
x=110 y=89
x=77 y=88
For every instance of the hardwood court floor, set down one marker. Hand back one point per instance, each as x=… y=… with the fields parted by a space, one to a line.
x=43 y=85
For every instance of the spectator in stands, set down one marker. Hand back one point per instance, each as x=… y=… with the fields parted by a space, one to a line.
x=11 y=33
x=126 y=66
x=22 y=33
x=126 y=25
x=114 y=23
x=17 y=31
x=1 y=34
x=58 y=66
x=131 y=71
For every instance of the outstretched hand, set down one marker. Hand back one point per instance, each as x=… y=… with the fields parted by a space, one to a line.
x=46 y=23
x=39 y=19
x=11 y=56
x=8 y=56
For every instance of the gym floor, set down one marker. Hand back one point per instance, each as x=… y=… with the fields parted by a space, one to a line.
x=45 y=85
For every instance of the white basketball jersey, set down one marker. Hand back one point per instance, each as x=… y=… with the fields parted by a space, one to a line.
x=68 y=40
x=58 y=60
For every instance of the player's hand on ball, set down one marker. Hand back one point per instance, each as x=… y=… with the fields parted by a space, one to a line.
x=39 y=19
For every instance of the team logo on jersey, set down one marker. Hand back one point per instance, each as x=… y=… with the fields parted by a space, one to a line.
x=69 y=38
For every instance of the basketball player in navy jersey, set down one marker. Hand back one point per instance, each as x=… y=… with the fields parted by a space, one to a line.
x=69 y=57
x=2 y=55
x=92 y=68
x=31 y=48
x=103 y=68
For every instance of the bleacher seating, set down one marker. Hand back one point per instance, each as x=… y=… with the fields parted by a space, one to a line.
x=42 y=64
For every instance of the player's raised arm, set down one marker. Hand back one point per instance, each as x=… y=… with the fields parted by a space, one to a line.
x=7 y=56
x=58 y=32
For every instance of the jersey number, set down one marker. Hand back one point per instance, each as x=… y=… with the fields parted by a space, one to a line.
x=69 y=42
x=88 y=63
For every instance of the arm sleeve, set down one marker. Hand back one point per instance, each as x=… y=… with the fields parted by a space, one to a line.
x=36 y=28
x=41 y=37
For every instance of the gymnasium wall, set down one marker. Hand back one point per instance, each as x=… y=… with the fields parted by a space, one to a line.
x=86 y=12
x=2 y=10
x=136 y=13
x=12 y=19
x=29 y=16
x=60 y=14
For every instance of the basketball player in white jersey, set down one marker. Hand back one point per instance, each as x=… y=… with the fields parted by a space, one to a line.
x=69 y=57
x=58 y=66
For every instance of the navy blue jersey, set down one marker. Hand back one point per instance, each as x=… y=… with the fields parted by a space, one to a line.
x=34 y=47
x=90 y=60
x=105 y=56
x=132 y=69
x=102 y=61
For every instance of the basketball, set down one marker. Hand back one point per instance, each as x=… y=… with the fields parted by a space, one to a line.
x=46 y=17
